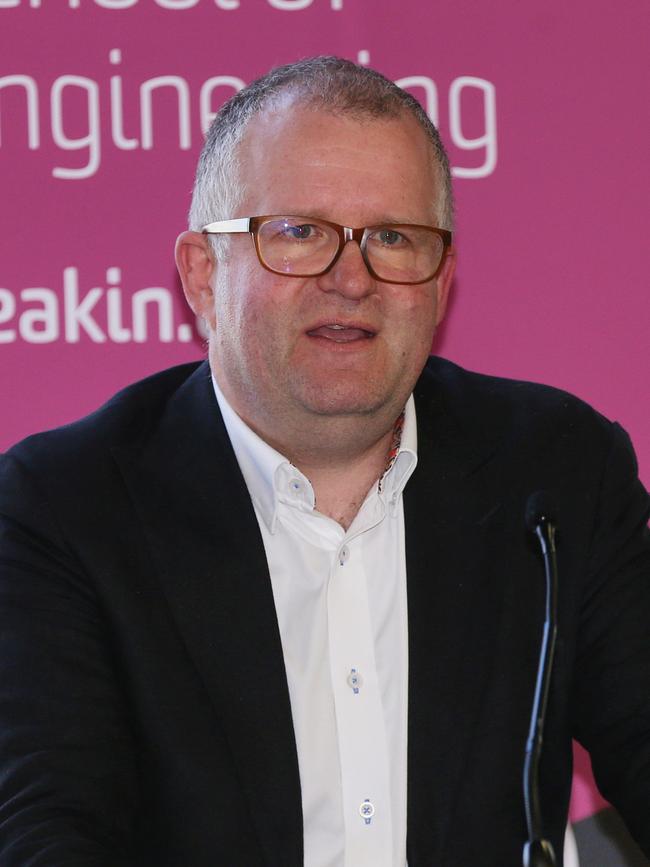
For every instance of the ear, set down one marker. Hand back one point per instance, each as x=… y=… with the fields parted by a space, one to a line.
x=443 y=283
x=196 y=265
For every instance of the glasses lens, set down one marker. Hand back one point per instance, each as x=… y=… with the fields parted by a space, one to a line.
x=297 y=245
x=402 y=253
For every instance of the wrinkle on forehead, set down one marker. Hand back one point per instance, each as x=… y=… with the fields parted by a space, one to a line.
x=296 y=156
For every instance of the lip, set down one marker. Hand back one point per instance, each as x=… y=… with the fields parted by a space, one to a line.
x=341 y=324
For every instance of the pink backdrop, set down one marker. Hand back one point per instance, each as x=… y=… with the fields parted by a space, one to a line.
x=544 y=109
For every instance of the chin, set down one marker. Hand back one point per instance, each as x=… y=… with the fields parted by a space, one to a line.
x=327 y=403
x=360 y=394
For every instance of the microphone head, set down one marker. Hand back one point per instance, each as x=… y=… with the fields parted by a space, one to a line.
x=540 y=509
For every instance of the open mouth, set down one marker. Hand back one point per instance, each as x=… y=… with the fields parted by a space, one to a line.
x=341 y=333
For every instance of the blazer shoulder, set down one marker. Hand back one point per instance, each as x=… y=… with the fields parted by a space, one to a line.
x=499 y=403
x=125 y=418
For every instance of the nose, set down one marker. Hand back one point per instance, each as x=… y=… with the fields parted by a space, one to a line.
x=348 y=276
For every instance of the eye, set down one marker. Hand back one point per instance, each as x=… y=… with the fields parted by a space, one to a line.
x=389 y=237
x=301 y=232
x=294 y=236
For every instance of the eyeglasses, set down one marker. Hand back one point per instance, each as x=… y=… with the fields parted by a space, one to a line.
x=306 y=247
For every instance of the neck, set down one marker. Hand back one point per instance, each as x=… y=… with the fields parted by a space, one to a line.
x=340 y=488
x=341 y=455
x=340 y=468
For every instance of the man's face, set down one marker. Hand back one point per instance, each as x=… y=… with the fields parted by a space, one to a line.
x=343 y=343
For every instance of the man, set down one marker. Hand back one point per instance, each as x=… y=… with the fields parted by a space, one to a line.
x=284 y=609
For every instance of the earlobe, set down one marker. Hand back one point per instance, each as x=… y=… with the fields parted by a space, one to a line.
x=196 y=266
x=444 y=281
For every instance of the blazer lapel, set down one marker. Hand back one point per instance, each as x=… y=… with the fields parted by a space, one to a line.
x=450 y=512
x=204 y=538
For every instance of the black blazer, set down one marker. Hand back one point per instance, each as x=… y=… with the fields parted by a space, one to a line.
x=144 y=709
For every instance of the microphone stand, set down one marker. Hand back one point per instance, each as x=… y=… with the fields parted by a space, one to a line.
x=539 y=852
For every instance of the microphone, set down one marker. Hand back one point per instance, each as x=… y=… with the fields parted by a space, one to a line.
x=540 y=520
x=541 y=514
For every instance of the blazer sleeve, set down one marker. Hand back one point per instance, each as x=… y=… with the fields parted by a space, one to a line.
x=68 y=792
x=611 y=695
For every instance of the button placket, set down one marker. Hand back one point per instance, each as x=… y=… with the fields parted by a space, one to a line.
x=363 y=749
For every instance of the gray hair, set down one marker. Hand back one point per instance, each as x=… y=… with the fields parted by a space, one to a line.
x=331 y=83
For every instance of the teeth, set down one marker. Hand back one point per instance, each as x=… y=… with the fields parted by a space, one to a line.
x=337 y=327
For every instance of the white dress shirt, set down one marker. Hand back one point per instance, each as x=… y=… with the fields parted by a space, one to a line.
x=340 y=599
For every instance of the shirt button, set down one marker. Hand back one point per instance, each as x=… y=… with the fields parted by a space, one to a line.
x=367 y=811
x=295 y=485
x=354 y=681
x=344 y=555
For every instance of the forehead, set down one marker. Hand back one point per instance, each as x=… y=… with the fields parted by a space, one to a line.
x=352 y=169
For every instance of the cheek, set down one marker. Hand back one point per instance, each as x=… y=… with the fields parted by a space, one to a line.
x=417 y=319
x=412 y=311
x=254 y=324
x=235 y=297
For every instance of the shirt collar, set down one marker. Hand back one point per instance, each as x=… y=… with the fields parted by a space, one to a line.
x=259 y=462
x=267 y=473
x=401 y=466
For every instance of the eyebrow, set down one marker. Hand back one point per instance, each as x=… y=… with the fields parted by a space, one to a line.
x=382 y=221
